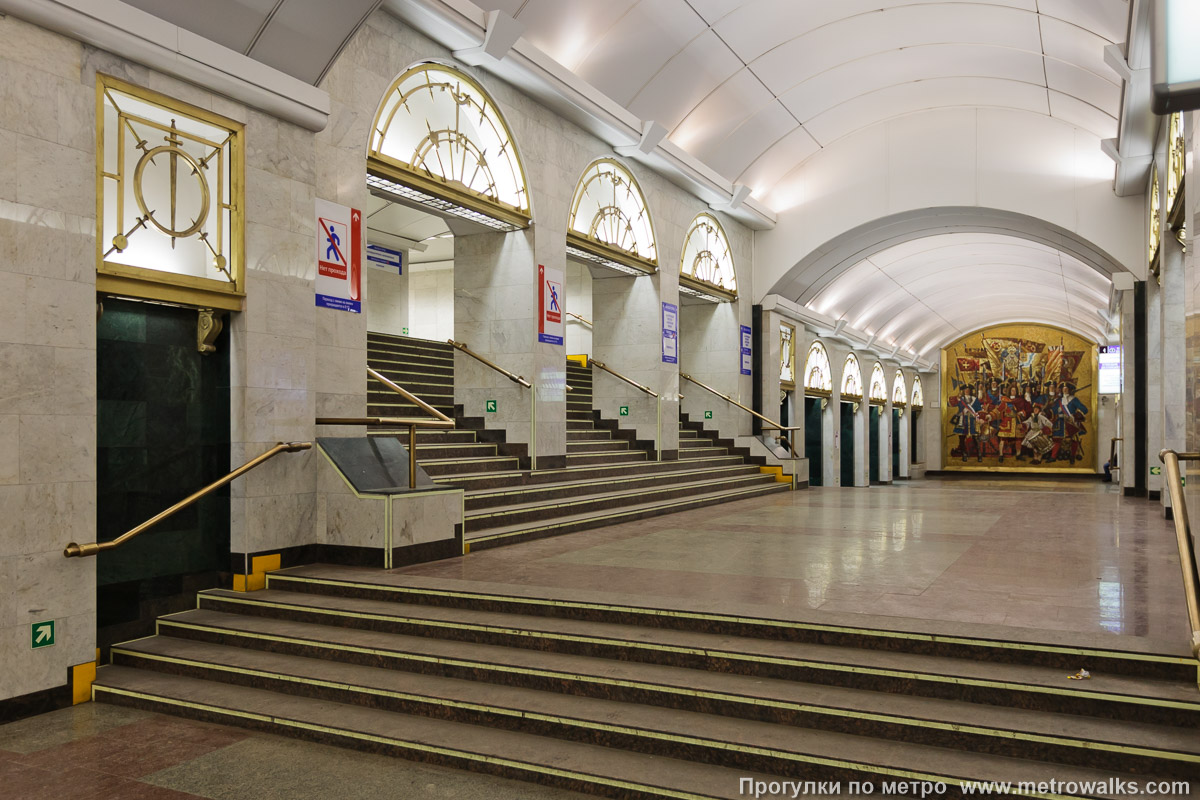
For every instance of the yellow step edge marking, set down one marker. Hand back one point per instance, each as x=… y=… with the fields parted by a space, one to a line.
x=412 y=745
x=666 y=689
x=731 y=655
x=931 y=638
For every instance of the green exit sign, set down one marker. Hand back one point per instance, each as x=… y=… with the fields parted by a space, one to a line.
x=624 y=412
x=405 y=331
x=708 y=415
x=1156 y=470
x=491 y=406
x=42 y=634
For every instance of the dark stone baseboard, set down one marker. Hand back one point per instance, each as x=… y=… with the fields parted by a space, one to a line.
x=30 y=705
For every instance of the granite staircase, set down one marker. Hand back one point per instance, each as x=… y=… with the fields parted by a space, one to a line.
x=608 y=477
x=572 y=690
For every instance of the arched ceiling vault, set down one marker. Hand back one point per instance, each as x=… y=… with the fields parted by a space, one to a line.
x=921 y=293
x=754 y=88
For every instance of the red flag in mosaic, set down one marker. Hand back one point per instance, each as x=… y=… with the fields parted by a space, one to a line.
x=1054 y=361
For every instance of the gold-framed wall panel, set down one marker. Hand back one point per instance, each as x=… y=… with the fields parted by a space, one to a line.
x=1089 y=443
x=148 y=284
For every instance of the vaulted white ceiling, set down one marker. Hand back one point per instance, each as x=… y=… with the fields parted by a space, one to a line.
x=755 y=87
x=921 y=294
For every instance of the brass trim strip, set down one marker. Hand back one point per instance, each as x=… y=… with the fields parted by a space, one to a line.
x=630 y=381
x=728 y=618
x=809 y=708
x=462 y=347
x=607 y=251
x=74 y=550
x=774 y=426
x=1183 y=539
x=705 y=286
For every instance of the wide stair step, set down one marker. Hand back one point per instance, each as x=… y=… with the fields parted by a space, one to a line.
x=653 y=702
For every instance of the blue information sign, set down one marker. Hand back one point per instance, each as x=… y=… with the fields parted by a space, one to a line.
x=385 y=258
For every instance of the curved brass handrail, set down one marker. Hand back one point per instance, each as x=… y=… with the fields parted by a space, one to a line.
x=512 y=376
x=616 y=374
x=771 y=425
x=587 y=322
x=74 y=550
x=439 y=420
x=1183 y=538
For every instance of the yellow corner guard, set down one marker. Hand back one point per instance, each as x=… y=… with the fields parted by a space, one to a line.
x=257 y=579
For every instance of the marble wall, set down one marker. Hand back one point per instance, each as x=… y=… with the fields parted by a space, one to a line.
x=47 y=351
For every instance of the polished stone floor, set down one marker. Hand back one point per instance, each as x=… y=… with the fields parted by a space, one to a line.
x=101 y=752
x=1062 y=560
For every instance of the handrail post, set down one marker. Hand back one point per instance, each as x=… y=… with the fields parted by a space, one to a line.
x=1183 y=538
x=412 y=456
x=533 y=429
x=658 y=432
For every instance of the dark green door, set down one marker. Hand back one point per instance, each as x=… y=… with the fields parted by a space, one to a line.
x=812 y=440
x=895 y=443
x=847 y=440
x=873 y=445
x=162 y=433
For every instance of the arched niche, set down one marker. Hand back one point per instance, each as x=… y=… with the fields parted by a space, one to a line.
x=609 y=224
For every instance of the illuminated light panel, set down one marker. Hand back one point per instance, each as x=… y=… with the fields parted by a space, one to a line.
x=818 y=377
x=707 y=260
x=441 y=126
x=899 y=390
x=609 y=211
x=878 y=384
x=918 y=393
x=701 y=295
x=852 y=385
x=391 y=190
x=787 y=354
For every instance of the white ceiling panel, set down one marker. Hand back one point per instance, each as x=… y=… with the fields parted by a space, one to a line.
x=637 y=47
x=871 y=73
x=713 y=10
x=1063 y=41
x=1084 y=85
x=1107 y=18
x=907 y=26
x=778 y=160
x=758 y=26
x=965 y=281
x=737 y=99
x=569 y=30
x=685 y=80
x=304 y=35
x=232 y=23
x=906 y=98
x=752 y=137
x=1081 y=114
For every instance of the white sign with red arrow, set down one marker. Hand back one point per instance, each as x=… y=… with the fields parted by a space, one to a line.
x=339 y=257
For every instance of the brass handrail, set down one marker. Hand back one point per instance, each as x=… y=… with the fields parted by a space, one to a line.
x=587 y=322
x=771 y=425
x=630 y=381
x=1183 y=538
x=439 y=420
x=510 y=375
x=74 y=550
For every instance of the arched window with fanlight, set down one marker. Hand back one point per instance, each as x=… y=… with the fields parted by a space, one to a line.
x=918 y=393
x=610 y=225
x=818 y=377
x=878 y=392
x=439 y=141
x=706 y=270
x=852 y=383
x=899 y=390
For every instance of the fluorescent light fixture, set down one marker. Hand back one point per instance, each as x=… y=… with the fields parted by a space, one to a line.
x=390 y=190
x=695 y=293
x=600 y=261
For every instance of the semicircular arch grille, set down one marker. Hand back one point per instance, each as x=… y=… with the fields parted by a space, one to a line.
x=852 y=383
x=818 y=377
x=609 y=211
x=707 y=258
x=878 y=384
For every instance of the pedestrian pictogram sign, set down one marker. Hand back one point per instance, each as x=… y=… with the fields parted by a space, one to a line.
x=42 y=634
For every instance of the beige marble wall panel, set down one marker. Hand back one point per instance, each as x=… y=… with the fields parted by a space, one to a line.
x=355 y=522
x=425 y=518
